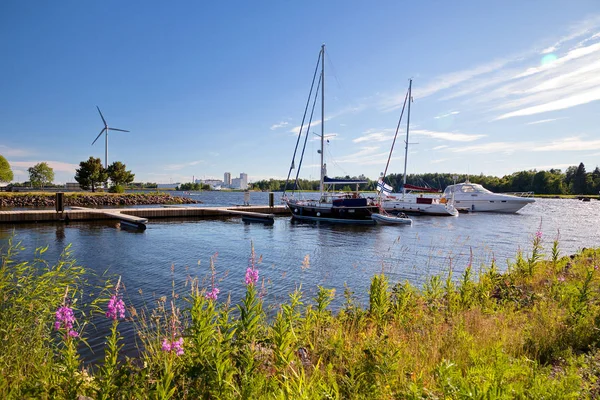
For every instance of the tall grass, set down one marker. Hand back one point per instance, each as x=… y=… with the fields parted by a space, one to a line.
x=530 y=332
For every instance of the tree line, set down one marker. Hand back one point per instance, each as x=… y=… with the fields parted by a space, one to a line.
x=574 y=180
x=91 y=174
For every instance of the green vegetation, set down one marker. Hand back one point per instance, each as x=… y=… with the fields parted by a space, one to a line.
x=575 y=180
x=91 y=174
x=6 y=174
x=40 y=175
x=119 y=176
x=193 y=186
x=531 y=332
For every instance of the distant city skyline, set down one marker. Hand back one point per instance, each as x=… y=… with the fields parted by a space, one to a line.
x=498 y=87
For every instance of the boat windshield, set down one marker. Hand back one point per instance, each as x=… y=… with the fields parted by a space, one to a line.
x=465 y=188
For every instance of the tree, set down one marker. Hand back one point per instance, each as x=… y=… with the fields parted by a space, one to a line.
x=91 y=174
x=40 y=174
x=118 y=174
x=6 y=174
x=580 y=180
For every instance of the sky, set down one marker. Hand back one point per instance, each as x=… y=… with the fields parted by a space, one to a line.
x=211 y=87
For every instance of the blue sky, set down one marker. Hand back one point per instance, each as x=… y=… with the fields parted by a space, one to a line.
x=210 y=87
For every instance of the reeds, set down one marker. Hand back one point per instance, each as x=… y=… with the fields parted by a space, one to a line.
x=530 y=332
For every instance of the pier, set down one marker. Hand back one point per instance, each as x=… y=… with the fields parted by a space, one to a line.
x=140 y=216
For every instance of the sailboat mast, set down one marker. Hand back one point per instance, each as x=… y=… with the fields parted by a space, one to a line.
x=322 y=117
x=406 y=145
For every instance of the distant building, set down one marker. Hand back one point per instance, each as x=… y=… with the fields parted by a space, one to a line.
x=227 y=179
x=240 y=183
x=72 y=186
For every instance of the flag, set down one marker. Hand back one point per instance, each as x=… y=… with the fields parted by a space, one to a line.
x=384 y=187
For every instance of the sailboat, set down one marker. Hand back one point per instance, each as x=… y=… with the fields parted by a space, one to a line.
x=409 y=202
x=333 y=206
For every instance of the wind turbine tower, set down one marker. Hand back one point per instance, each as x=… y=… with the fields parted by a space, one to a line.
x=105 y=131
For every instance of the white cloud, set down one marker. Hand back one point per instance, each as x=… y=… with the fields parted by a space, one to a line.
x=552 y=166
x=440 y=147
x=176 y=167
x=374 y=135
x=282 y=124
x=570 y=144
x=11 y=152
x=447 y=114
x=451 y=136
x=543 y=121
x=572 y=101
x=494 y=147
x=571 y=55
x=439 y=160
x=57 y=166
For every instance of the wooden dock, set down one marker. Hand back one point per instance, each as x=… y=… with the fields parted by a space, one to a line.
x=138 y=215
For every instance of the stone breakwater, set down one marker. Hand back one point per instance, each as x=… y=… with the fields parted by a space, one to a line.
x=83 y=200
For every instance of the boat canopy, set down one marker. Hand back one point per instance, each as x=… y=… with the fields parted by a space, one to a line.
x=334 y=181
x=421 y=188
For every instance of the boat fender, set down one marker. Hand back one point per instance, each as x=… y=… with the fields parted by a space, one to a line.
x=318 y=214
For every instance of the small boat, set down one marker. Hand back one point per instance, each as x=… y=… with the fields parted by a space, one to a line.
x=334 y=206
x=389 y=219
x=472 y=197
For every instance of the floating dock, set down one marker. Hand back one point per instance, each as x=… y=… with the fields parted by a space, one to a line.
x=139 y=216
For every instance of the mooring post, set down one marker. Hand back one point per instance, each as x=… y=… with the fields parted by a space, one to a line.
x=271 y=199
x=59 y=202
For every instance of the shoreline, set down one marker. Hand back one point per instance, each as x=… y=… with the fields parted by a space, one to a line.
x=84 y=199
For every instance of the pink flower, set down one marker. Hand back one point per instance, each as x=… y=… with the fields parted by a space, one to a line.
x=538 y=235
x=251 y=276
x=115 y=308
x=176 y=346
x=212 y=295
x=65 y=319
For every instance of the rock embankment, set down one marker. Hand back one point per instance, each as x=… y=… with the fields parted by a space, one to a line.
x=91 y=200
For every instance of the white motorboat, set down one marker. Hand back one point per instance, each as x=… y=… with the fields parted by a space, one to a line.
x=474 y=197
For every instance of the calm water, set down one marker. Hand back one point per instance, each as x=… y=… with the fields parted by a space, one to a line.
x=170 y=251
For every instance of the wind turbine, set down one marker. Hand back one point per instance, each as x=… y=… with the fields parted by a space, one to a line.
x=106 y=129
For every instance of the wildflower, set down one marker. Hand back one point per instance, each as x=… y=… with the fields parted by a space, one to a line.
x=212 y=295
x=65 y=319
x=115 y=308
x=175 y=346
x=538 y=235
x=251 y=276
x=561 y=278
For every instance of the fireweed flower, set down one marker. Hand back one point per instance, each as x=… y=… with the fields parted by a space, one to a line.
x=212 y=295
x=251 y=276
x=538 y=235
x=175 y=346
x=65 y=319
x=115 y=308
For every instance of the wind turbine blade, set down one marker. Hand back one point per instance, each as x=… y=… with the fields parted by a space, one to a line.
x=100 y=134
x=115 y=129
x=102 y=116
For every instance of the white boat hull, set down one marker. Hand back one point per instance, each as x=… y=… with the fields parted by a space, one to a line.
x=496 y=205
x=412 y=207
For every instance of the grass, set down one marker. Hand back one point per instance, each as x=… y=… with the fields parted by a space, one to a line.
x=531 y=332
